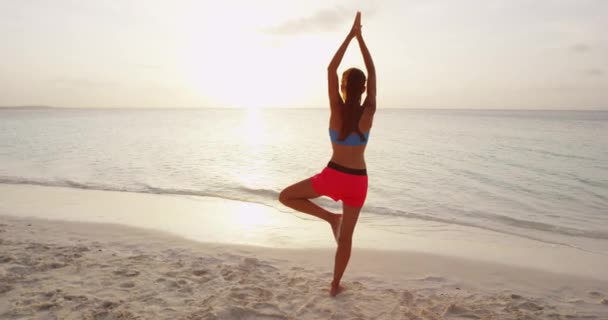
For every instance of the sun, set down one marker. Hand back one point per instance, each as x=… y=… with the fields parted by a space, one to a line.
x=244 y=68
x=253 y=80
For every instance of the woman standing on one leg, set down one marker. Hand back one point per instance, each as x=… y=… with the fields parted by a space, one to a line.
x=345 y=177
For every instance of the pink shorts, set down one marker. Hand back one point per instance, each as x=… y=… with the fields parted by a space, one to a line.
x=350 y=188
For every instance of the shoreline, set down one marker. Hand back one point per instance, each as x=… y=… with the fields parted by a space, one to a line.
x=214 y=220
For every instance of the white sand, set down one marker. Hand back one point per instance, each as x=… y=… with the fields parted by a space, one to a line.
x=66 y=270
x=53 y=269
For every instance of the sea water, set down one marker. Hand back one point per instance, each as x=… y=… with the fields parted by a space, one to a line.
x=539 y=175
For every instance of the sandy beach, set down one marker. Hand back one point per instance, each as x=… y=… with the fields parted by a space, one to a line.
x=59 y=269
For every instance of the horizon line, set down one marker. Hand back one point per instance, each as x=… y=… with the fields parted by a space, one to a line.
x=43 y=107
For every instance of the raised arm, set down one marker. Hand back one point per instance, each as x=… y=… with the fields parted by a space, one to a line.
x=332 y=69
x=370 y=100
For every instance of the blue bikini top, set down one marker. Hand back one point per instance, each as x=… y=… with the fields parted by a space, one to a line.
x=352 y=140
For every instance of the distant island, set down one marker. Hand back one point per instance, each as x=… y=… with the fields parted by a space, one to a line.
x=27 y=107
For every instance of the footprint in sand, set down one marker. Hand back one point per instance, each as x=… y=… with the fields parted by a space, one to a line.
x=51 y=294
x=140 y=257
x=238 y=312
x=529 y=306
x=433 y=279
x=75 y=298
x=127 y=284
x=228 y=274
x=81 y=249
x=4 y=288
x=454 y=310
x=186 y=290
x=296 y=282
x=45 y=306
x=19 y=271
x=200 y=272
x=576 y=301
x=171 y=274
x=109 y=304
x=172 y=284
x=52 y=265
x=251 y=294
x=126 y=272
x=37 y=247
x=266 y=308
x=406 y=297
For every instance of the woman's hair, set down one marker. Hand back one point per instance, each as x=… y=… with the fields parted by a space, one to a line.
x=351 y=113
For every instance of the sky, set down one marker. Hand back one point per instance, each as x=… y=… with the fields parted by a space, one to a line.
x=472 y=54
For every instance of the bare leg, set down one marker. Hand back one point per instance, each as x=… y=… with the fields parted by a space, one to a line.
x=350 y=216
x=297 y=197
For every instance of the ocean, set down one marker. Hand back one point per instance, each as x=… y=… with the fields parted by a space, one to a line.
x=538 y=175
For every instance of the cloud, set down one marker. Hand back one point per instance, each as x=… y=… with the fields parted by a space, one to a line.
x=83 y=82
x=323 y=20
x=581 y=48
x=594 y=72
x=150 y=66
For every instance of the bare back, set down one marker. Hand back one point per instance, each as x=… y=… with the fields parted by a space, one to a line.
x=351 y=156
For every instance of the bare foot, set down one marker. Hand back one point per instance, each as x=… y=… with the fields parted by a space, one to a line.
x=335 y=225
x=335 y=290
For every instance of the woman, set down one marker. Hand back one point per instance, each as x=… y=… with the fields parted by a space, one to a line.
x=345 y=177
